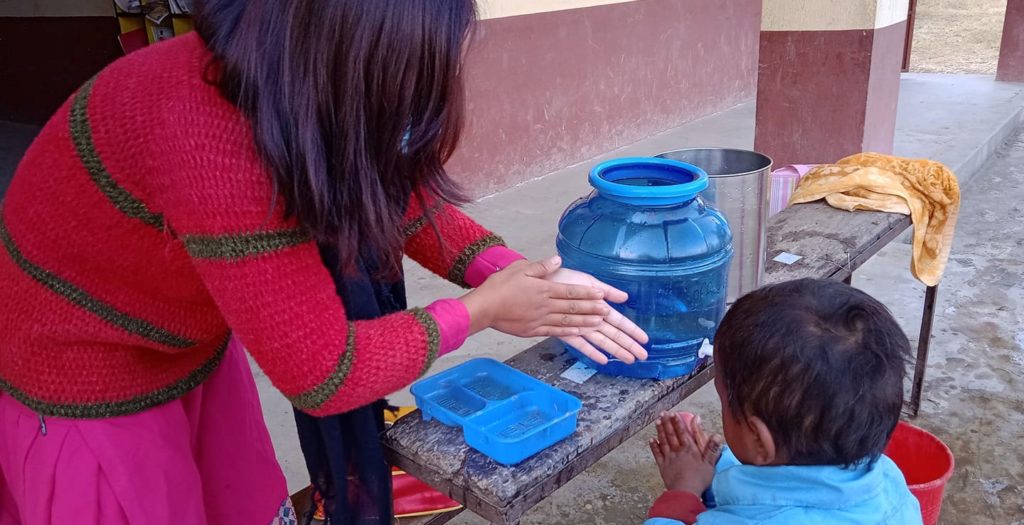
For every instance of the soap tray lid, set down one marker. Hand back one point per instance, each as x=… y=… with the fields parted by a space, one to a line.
x=504 y=413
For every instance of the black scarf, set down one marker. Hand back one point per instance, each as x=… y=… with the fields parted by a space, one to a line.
x=343 y=452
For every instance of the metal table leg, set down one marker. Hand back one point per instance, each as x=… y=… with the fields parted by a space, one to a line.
x=913 y=406
x=437 y=519
x=923 y=342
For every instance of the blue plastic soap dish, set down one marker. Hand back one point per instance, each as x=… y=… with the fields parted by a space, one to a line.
x=504 y=413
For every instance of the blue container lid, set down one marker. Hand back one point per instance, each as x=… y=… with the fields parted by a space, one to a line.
x=648 y=181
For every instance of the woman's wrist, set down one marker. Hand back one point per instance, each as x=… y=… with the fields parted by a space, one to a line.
x=452 y=320
x=491 y=261
x=480 y=316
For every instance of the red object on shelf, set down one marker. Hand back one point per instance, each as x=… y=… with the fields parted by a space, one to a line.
x=413 y=497
x=133 y=40
x=926 y=462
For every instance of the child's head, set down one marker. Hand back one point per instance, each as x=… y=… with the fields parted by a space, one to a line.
x=809 y=372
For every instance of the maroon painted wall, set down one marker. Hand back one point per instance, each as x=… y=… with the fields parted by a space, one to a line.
x=43 y=60
x=801 y=119
x=546 y=90
x=550 y=90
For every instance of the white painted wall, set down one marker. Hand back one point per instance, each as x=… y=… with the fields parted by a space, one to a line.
x=505 y=8
x=831 y=15
x=488 y=8
x=28 y=8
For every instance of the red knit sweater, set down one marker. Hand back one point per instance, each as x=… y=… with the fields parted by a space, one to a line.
x=138 y=229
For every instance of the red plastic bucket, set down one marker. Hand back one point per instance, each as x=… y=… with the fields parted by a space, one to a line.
x=926 y=462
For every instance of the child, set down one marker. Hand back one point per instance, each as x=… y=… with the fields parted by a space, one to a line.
x=810 y=376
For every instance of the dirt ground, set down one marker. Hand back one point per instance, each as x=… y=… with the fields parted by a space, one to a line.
x=957 y=36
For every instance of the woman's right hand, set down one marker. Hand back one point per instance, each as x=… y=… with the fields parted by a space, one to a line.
x=617 y=336
x=519 y=301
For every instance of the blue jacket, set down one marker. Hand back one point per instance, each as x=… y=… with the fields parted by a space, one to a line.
x=797 y=495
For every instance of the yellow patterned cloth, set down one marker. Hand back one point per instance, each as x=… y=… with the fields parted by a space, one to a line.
x=925 y=190
x=393 y=414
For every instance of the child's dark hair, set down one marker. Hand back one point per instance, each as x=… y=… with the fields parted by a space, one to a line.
x=821 y=363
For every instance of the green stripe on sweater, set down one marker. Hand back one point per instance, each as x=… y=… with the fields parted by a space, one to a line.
x=121 y=408
x=414 y=226
x=317 y=396
x=243 y=245
x=83 y=299
x=82 y=136
x=433 y=338
x=457 y=274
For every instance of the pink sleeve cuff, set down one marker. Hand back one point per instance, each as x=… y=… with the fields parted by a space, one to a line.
x=677 y=505
x=492 y=260
x=452 y=319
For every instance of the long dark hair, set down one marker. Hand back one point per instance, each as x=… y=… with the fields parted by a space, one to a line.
x=354 y=105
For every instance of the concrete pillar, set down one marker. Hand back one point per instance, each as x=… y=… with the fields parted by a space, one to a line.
x=828 y=78
x=1011 y=53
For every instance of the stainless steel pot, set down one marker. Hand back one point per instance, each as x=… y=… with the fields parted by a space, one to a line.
x=740 y=188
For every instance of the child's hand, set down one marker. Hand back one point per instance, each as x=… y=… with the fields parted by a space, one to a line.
x=685 y=466
x=709 y=445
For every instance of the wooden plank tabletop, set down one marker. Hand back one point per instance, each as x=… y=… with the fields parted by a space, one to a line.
x=831 y=244
x=614 y=408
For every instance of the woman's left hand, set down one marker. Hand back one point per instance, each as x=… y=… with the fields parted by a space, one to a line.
x=616 y=335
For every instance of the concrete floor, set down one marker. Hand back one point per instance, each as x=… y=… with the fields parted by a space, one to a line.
x=973 y=394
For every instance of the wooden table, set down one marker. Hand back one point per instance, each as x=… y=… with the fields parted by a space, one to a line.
x=831 y=243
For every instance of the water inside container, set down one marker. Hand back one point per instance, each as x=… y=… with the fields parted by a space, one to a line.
x=673 y=263
x=678 y=313
x=647 y=181
x=646 y=231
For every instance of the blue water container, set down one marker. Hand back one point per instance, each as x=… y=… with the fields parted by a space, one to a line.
x=645 y=230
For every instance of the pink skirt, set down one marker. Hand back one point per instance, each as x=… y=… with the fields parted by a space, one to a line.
x=203 y=459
